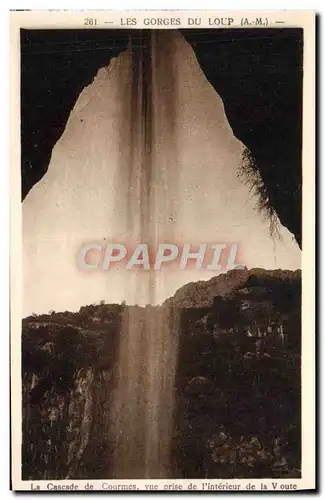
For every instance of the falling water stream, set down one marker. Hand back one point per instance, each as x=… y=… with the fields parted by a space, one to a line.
x=142 y=413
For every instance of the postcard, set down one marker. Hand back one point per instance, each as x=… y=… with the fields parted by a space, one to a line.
x=162 y=250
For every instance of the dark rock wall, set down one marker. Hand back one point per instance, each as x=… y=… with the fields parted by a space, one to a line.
x=259 y=76
x=257 y=72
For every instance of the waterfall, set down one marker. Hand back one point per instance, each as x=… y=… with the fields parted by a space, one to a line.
x=142 y=412
x=147 y=156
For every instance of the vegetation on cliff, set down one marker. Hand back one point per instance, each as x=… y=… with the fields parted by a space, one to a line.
x=237 y=390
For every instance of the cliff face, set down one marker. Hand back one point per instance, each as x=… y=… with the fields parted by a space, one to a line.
x=67 y=386
x=60 y=427
x=237 y=388
x=238 y=379
x=203 y=293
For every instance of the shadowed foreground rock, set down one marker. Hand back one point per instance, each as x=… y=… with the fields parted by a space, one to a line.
x=237 y=389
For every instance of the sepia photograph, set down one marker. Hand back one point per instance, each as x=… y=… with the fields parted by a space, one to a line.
x=161 y=190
